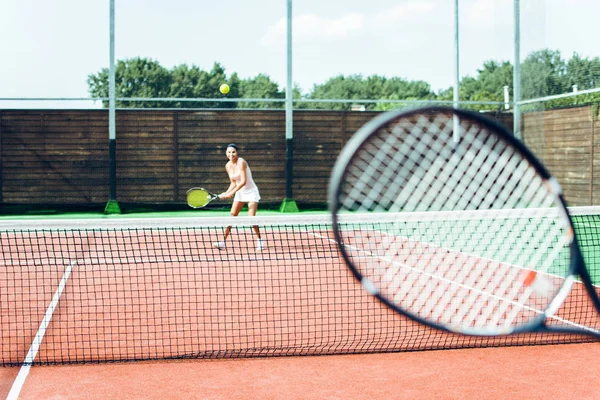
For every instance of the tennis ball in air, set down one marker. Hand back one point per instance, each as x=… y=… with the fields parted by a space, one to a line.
x=224 y=88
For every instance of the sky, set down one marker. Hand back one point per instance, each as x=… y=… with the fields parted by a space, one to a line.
x=49 y=48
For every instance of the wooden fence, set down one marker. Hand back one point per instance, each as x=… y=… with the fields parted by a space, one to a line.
x=58 y=157
x=568 y=142
x=53 y=158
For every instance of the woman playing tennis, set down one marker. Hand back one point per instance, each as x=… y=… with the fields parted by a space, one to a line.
x=243 y=190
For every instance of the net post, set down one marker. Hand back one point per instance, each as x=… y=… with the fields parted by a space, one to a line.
x=112 y=207
x=288 y=206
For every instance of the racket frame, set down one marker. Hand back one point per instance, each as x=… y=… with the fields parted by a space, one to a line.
x=211 y=196
x=576 y=267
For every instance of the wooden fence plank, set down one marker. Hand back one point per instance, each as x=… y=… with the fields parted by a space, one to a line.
x=61 y=156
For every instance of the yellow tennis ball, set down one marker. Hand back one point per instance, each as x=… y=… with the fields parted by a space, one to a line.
x=224 y=88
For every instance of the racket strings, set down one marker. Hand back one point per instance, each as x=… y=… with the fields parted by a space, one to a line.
x=456 y=273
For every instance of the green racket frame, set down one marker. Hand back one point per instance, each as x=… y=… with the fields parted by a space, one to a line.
x=198 y=197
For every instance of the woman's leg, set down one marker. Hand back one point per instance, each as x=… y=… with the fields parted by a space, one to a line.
x=252 y=207
x=236 y=207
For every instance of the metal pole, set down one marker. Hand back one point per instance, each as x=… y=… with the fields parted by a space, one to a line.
x=289 y=89
x=112 y=207
x=517 y=72
x=456 y=133
x=289 y=205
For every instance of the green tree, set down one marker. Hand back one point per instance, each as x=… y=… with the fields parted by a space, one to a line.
x=339 y=88
x=193 y=83
x=375 y=87
x=187 y=82
x=399 y=89
x=489 y=84
x=210 y=87
x=136 y=77
x=144 y=78
x=583 y=72
x=260 y=87
x=543 y=73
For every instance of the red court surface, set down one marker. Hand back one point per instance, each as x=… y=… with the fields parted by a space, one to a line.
x=274 y=296
x=529 y=372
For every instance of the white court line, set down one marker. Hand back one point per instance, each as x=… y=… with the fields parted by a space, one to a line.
x=15 y=390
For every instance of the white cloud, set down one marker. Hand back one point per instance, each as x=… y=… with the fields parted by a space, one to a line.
x=487 y=13
x=310 y=27
x=404 y=12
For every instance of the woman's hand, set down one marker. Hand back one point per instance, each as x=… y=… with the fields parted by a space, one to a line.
x=224 y=195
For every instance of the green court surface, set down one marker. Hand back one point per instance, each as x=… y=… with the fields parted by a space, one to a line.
x=199 y=213
x=510 y=239
x=588 y=231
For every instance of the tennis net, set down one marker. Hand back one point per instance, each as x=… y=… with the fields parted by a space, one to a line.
x=118 y=289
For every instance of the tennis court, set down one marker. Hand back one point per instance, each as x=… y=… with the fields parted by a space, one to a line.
x=96 y=291
x=124 y=290
x=525 y=372
x=417 y=133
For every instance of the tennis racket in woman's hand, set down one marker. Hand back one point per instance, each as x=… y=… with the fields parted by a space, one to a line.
x=449 y=220
x=199 y=197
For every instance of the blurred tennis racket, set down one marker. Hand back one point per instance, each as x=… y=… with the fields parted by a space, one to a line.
x=200 y=197
x=449 y=220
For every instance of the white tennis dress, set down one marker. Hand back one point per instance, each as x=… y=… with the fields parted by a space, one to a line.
x=248 y=192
